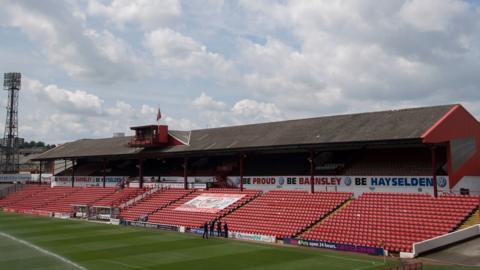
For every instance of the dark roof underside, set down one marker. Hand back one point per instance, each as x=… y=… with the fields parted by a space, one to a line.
x=405 y=124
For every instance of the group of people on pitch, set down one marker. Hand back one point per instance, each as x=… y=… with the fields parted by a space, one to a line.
x=209 y=229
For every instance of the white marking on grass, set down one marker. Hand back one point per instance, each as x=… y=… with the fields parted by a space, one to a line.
x=41 y=250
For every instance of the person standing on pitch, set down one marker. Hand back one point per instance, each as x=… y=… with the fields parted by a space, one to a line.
x=225 y=229
x=205 y=230
x=212 y=227
x=219 y=228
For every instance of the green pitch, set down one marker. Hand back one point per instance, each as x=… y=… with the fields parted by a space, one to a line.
x=28 y=242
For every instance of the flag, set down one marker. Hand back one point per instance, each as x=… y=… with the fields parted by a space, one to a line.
x=159 y=115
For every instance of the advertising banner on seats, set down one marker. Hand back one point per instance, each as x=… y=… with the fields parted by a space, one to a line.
x=87 y=180
x=335 y=246
x=356 y=184
x=210 y=202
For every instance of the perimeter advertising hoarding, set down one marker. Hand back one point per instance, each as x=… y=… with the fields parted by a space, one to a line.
x=335 y=246
x=6 y=178
x=151 y=225
x=87 y=180
x=210 y=202
x=253 y=237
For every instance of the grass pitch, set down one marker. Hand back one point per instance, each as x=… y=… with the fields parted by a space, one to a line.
x=97 y=246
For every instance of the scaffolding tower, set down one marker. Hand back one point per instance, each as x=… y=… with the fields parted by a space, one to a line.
x=9 y=158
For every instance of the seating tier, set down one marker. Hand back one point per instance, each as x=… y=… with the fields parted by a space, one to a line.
x=394 y=221
x=284 y=213
x=155 y=201
x=171 y=216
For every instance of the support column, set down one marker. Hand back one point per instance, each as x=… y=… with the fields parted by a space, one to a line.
x=434 y=171
x=185 y=172
x=140 y=173
x=73 y=172
x=242 y=156
x=104 y=171
x=312 y=171
x=40 y=174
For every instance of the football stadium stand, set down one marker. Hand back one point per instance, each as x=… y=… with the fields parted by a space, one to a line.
x=119 y=197
x=42 y=198
x=81 y=196
x=189 y=212
x=393 y=221
x=154 y=202
x=284 y=213
x=23 y=194
x=360 y=182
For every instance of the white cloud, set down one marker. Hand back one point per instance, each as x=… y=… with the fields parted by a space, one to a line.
x=182 y=56
x=148 y=111
x=82 y=52
x=180 y=123
x=205 y=102
x=74 y=101
x=216 y=113
x=432 y=15
x=260 y=60
x=121 y=108
x=61 y=114
x=254 y=111
x=148 y=13
x=359 y=55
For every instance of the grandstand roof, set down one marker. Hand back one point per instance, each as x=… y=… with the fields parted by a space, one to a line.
x=394 y=125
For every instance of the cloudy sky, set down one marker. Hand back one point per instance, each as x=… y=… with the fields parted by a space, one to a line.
x=94 y=67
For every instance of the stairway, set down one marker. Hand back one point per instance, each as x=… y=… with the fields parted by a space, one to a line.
x=345 y=204
x=474 y=219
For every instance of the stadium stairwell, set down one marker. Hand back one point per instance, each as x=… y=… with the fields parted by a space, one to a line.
x=325 y=218
x=474 y=219
x=137 y=198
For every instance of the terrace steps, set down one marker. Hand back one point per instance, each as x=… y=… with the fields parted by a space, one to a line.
x=473 y=219
x=345 y=204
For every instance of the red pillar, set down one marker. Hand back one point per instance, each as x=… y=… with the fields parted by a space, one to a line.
x=104 y=171
x=140 y=173
x=312 y=172
x=241 y=171
x=434 y=172
x=185 y=171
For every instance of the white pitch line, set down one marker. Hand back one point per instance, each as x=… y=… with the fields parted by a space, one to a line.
x=44 y=251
